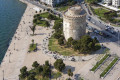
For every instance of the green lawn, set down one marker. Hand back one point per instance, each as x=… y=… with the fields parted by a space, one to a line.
x=63 y=8
x=44 y=15
x=47 y=14
x=32 y=47
x=109 y=67
x=54 y=46
x=100 y=12
x=41 y=23
x=100 y=62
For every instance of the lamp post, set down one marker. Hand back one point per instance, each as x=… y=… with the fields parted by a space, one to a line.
x=118 y=38
x=9 y=57
x=3 y=74
x=0 y=63
x=14 y=46
x=50 y=69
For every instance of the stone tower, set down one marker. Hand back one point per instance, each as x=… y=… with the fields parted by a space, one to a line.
x=74 y=22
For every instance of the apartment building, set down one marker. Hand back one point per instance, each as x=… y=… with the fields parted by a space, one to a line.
x=52 y=2
x=114 y=3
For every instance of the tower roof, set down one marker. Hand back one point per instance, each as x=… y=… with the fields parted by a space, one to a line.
x=74 y=11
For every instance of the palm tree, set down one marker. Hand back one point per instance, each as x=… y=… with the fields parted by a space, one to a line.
x=33 y=41
x=33 y=28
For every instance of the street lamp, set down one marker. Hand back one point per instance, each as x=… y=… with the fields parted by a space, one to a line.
x=3 y=74
x=0 y=63
x=21 y=28
x=9 y=57
x=14 y=46
x=50 y=69
x=118 y=38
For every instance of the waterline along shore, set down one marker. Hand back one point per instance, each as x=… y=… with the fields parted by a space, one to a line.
x=15 y=55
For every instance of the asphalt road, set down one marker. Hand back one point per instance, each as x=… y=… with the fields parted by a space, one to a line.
x=43 y=7
x=102 y=25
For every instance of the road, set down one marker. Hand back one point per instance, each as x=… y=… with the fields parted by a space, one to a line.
x=43 y=7
x=102 y=25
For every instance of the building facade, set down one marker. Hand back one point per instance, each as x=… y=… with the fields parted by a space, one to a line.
x=115 y=3
x=108 y=2
x=52 y=2
x=74 y=23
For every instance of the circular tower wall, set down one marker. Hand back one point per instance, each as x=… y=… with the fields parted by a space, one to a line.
x=74 y=23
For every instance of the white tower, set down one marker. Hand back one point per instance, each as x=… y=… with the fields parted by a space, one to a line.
x=74 y=23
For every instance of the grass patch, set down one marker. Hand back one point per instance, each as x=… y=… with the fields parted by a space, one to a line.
x=100 y=12
x=109 y=67
x=54 y=46
x=44 y=15
x=41 y=23
x=49 y=16
x=63 y=8
x=99 y=63
x=32 y=47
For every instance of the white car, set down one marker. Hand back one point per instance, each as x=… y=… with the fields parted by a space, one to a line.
x=93 y=22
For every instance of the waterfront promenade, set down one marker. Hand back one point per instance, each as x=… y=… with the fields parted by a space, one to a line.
x=15 y=55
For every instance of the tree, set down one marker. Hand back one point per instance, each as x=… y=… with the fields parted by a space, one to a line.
x=40 y=11
x=23 y=72
x=69 y=42
x=47 y=24
x=33 y=29
x=84 y=42
x=70 y=73
x=57 y=26
x=57 y=35
x=35 y=64
x=47 y=63
x=46 y=71
x=95 y=40
x=43 y=9
x=74 y=42
x=31 y=77
x=61 y=40
x=59 y=65
x=32 y=42
x=50 y=16
x=51 y=11
x=48 y=9
x=68 y=79
x=39 y=69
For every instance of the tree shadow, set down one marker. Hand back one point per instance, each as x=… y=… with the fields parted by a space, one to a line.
x=68 y=67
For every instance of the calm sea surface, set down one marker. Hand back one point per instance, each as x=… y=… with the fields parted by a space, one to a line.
x=11 y=12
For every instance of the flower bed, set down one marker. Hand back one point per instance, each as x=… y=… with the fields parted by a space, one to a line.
x=100 y=62
x=109 y=67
